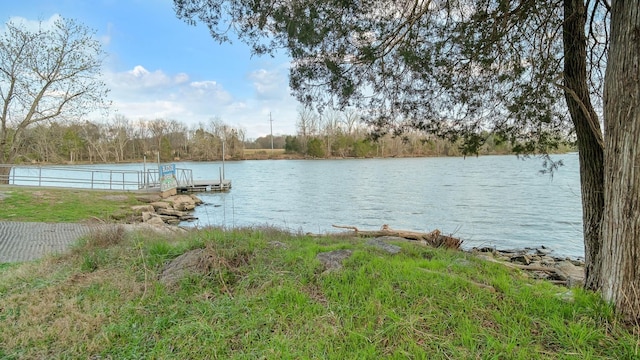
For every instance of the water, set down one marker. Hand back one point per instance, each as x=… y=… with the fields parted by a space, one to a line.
x=499 y=201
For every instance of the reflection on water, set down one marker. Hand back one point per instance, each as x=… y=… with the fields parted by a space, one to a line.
x=497 y=201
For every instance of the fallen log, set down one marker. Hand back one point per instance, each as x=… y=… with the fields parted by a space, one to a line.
x=433 y=238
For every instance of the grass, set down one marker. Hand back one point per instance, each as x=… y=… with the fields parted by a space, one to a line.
x=251 y=152
x=263 y=294
x=62 y=205
x=262 y=154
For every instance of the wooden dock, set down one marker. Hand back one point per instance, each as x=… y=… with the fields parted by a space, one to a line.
x=204 y=185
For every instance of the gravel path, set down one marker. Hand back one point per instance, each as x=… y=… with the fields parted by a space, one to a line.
x=24 y=241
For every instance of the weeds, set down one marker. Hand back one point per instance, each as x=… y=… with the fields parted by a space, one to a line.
x=106 y=236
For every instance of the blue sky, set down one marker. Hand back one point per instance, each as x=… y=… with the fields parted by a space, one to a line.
x=160 y=67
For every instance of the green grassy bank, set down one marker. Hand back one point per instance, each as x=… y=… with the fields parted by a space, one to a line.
x=260 y=293
x=63 y=205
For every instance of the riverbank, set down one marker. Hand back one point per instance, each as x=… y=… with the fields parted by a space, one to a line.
x=274 y=154
x=261 y=293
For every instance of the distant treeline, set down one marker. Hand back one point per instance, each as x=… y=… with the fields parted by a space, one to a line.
x=123 y=140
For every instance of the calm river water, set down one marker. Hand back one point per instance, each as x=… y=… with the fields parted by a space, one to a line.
x=499 y=201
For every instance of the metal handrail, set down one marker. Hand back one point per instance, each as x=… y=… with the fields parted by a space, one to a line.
x=82 y=177
x=94 y=178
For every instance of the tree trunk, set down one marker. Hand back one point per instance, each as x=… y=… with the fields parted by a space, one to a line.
x=5 y=172
x=621 y=226
x=589 y=135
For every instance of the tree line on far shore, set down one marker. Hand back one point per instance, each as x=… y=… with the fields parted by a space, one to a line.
x=120 y=139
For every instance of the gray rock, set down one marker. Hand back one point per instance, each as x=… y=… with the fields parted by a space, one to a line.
x=139 y=209
x=149 y=198
x=520 y=259
x=194 y=262
x=182 y=202
x=172 y=212
x=382 y=245
x=543 y=251
x=574 y=275
x=160 y=205
x=333 y=260
x=187 y=218
x=155 y=220
x=547 y=260
x=146 y=216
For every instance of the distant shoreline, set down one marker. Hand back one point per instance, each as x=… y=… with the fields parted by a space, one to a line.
x=263 y=154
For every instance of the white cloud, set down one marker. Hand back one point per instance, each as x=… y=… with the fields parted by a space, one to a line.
x=269 y=84
x=139 y=93
x=34 y=25
x=181 y=78
x=139 y=71
x=158 y=109
x=140 y=78
x=144 y=91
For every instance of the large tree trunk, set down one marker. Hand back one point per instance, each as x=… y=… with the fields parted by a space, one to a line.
x=589 y=135
x=621 y=226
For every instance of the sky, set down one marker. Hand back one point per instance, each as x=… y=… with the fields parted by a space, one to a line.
x=159 y=67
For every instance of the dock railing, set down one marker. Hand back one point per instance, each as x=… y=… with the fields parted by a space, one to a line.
x=88 y=177
x=76 y=176
x=151 y=178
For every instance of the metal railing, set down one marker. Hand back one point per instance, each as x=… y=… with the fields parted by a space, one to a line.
x=87 y=177
x=151 y=178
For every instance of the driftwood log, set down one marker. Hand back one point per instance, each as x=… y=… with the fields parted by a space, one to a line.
x=433 y=238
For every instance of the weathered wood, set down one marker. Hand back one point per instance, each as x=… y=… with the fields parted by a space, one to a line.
x=433 y=238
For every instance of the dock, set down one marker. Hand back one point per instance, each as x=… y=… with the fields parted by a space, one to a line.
x=108 y=179
x=204 y=186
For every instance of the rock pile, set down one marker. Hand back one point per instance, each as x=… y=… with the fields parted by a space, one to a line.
x=538 y=263
x=171 y=210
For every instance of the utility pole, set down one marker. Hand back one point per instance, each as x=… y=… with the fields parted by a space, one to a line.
x=271 y=121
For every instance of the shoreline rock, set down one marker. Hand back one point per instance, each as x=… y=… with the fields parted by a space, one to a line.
x=172 y=210
x=537 y=263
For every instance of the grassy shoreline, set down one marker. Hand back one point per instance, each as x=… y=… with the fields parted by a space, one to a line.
x=263 y=293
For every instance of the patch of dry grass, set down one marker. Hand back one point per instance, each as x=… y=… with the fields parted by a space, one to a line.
x=60 y=310
x=106 y=236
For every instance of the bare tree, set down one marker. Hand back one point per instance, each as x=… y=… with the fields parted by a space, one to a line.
x=120 y=132
x=350 y=119
x=307 y=125
x=46 y=74
x=330 y=125
x=93 y=134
